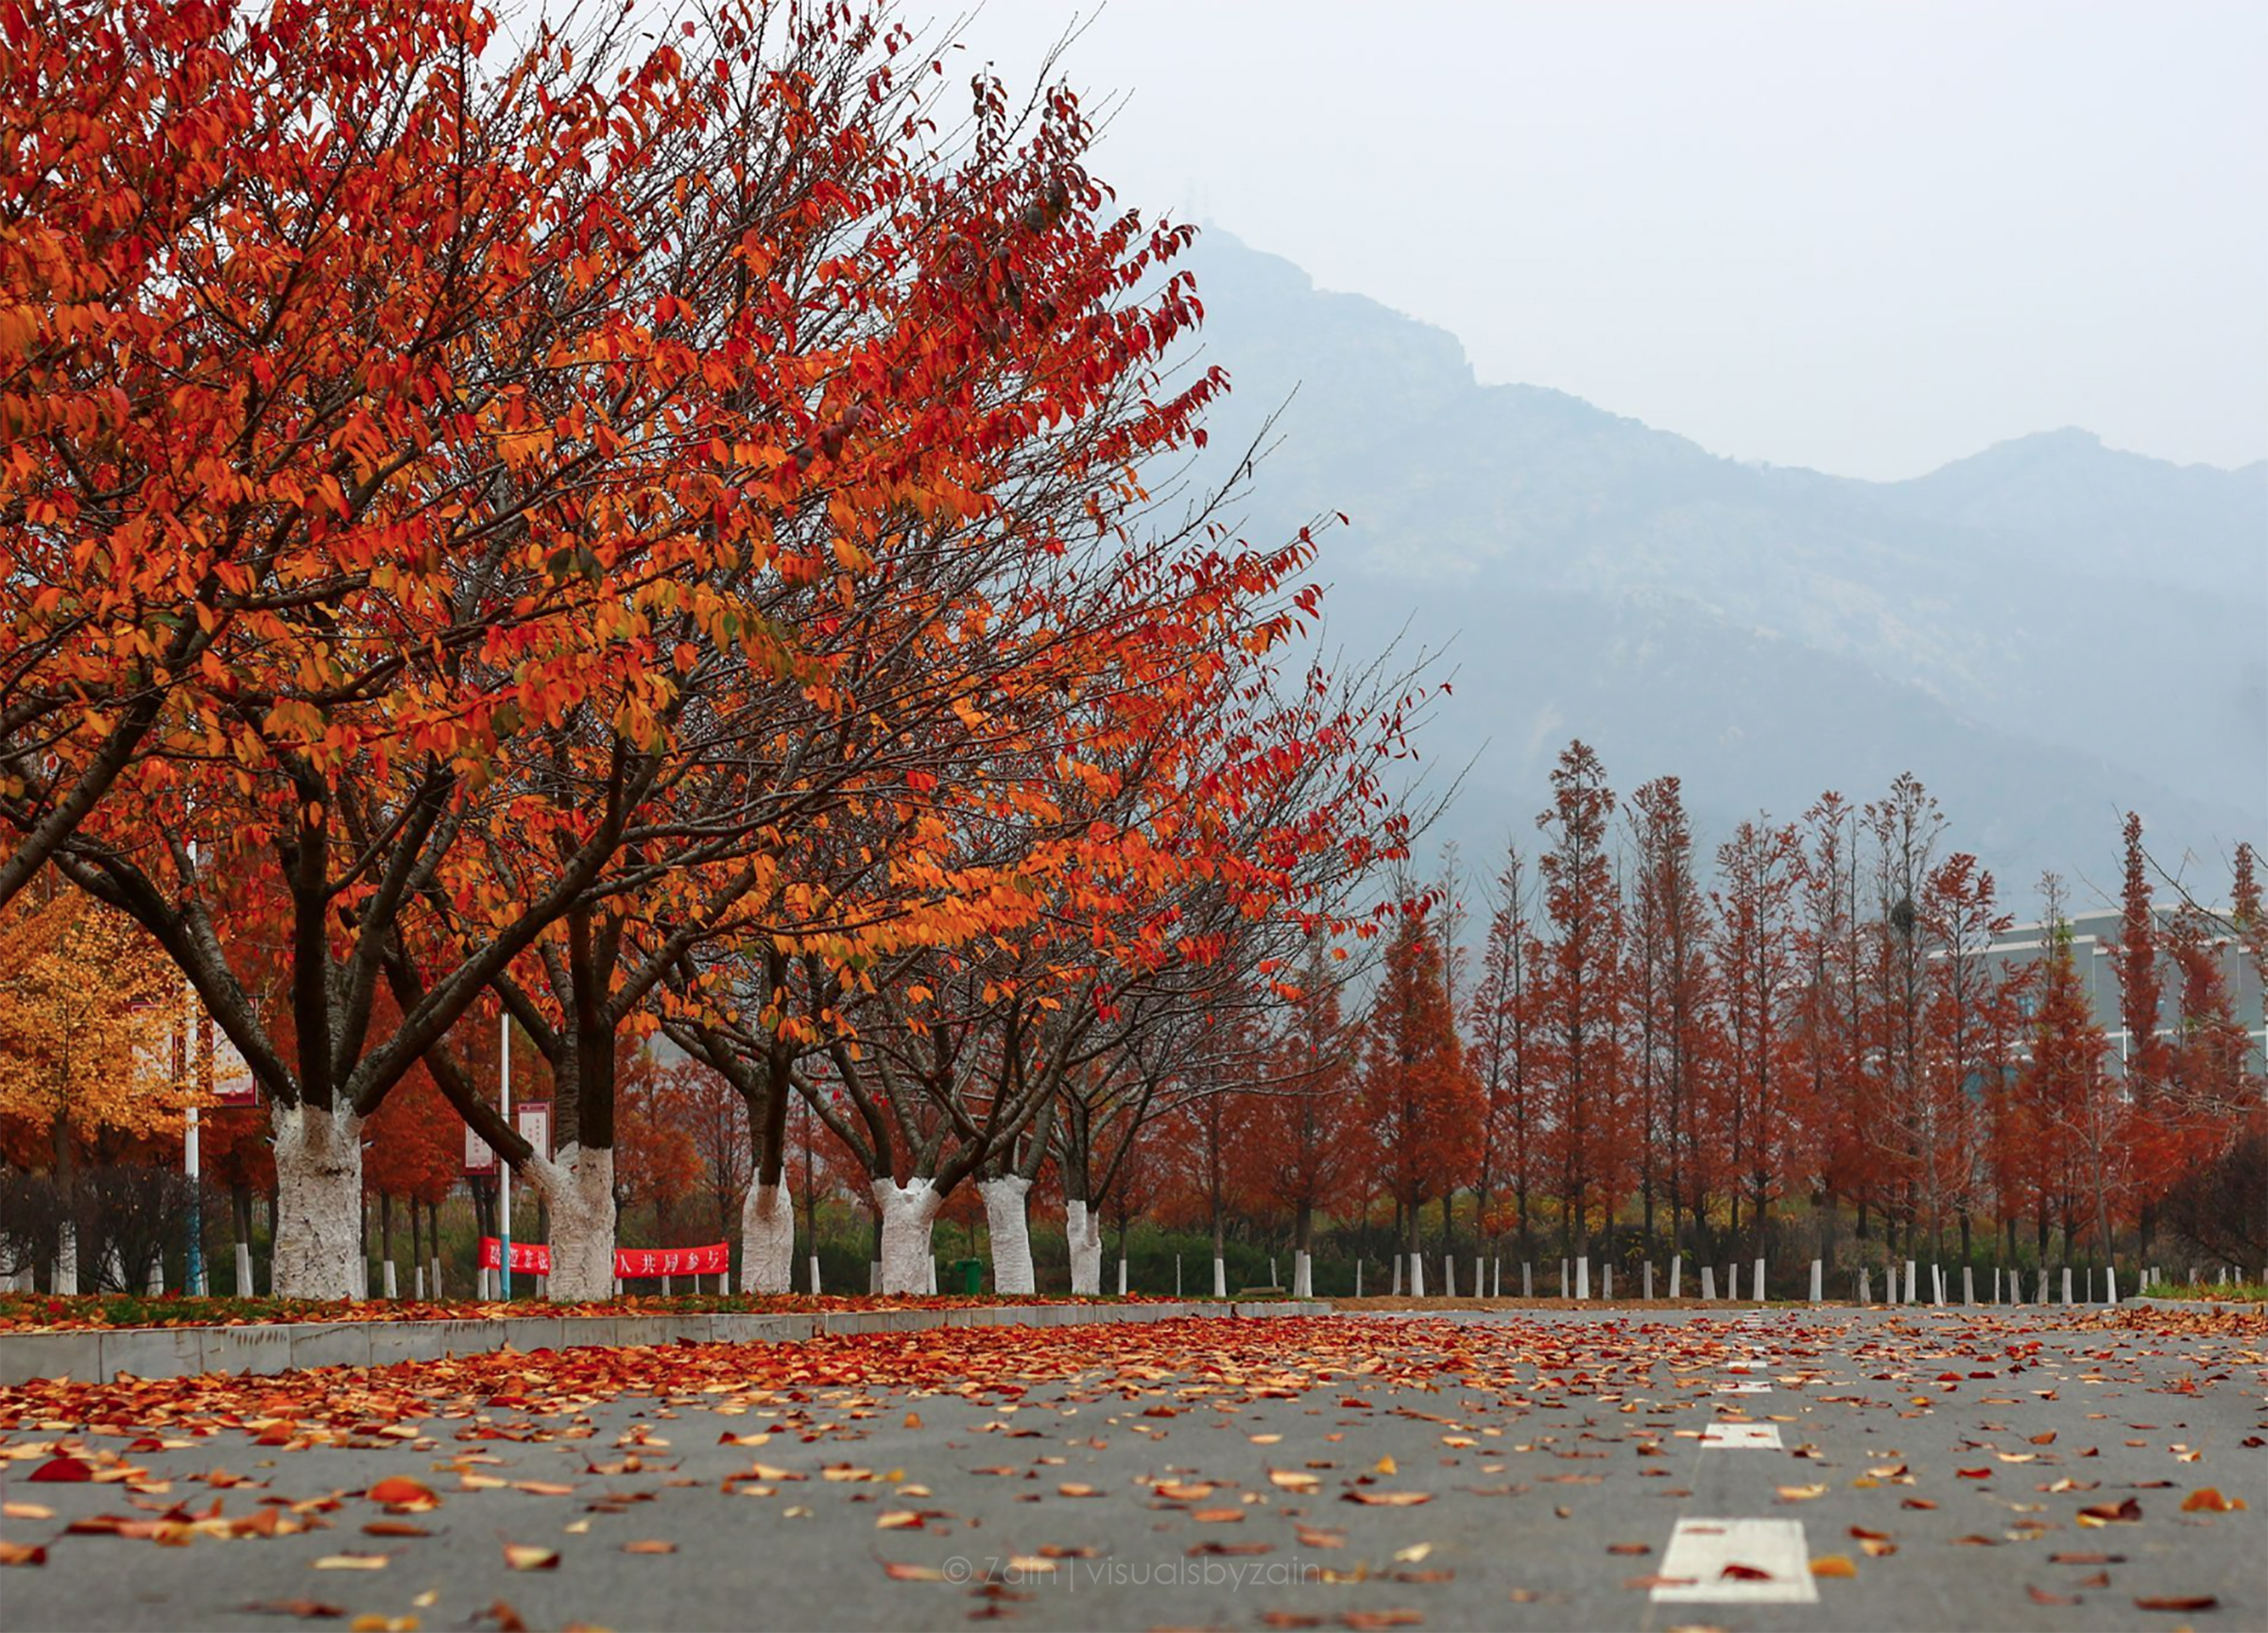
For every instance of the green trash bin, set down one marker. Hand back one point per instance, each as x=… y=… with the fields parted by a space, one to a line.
x=967 y=1275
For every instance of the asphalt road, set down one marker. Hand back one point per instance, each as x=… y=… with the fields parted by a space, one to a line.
x=1832 y=1470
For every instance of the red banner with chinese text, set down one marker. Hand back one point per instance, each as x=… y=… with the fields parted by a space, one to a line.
x=534 y=1259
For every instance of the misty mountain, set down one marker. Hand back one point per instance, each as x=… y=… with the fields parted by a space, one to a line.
x=2046 y=633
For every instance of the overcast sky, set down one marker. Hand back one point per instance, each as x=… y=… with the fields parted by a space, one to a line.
x=1863 y=238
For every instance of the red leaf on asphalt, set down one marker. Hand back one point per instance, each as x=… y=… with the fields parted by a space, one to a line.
x=2041 y=1596
x=2178 y=1601
x=1736 y=1571
x=21 y=1554
x=62 y=1468
x=307 y=1609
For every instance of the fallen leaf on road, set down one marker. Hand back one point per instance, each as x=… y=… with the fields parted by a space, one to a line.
x=1629 y=1548
x=1413 y=1553
x=900 y=1571
x=528 y=1557
x=2041 y=1596
x=2206 y=1500
x=2126 y=1513
x=62 y=1468
x=389 y=1528
x=404 y=1495
x=353 y=1562
x=1834 y=1565
x=26 y=1511
x=309 y=1610
x=1293 y=1480
x=1800 y=1493
x=2178 y=1601
x=21 y=1553
x=1736 y=1571
x=649 y=1545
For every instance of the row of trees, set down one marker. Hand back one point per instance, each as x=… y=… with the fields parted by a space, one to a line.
x=642 y=535
x=1834 y=1014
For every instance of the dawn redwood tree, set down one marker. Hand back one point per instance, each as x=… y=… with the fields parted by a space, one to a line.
x=2066 y=1123
x=1422 y=1105
x=2145 y=1059
x=1298 y=1138
x=1501 y=1033
x=1833 y=1013
x=1673 y=1013
x=1903 y=829
x=1972 y=1016
x=1582 y=994
x=1758 y=963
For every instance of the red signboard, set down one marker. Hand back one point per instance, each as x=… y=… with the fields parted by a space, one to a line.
x=534 y=1259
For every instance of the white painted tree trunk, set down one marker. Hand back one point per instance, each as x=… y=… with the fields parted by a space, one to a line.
x=1220 y=1277
x=319 y=1203
x=907 y=1213
x=1010 y=1227
x=1085 y=1230
x=578 y=1190
x=815 y=1274
x=1417 y=1275
x=1303 y=1276
x=64 y=1283
x=768 y=1240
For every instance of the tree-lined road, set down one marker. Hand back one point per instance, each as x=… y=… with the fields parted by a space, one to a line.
x=1838 y=1469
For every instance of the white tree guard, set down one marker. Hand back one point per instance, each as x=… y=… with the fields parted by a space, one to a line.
x=319 y=1203
x=1010 y=1227
x=578 y=1190
x=768 y=1240
x=1085 y=1231
x=1220 y=1277
x=907 y=1213
x=64 y=1283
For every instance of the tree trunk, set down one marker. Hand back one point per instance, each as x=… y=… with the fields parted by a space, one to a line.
x=63 y=1277
x=318 y=1202
x=1084 y=1229
x=1011 y=1233
x=908 y=1212
x=767 y=1239
x=577 y=1191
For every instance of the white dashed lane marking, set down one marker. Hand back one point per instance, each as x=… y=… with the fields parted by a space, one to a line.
x=1748 y=1561
x=1742 y=1436
x=1744 y=1386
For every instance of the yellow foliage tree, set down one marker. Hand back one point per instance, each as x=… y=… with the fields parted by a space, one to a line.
x=90 y=1011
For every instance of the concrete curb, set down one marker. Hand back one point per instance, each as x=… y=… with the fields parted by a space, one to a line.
x=289 y=1347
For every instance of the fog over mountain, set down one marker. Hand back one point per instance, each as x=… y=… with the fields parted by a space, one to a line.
x=2047 y=633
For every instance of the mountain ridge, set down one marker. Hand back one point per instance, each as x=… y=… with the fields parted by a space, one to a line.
x=1980 y=597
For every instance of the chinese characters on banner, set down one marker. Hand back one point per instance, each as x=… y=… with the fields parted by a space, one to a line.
x=534 y=1259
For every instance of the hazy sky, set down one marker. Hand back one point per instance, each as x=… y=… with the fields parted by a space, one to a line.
x=1863 y=238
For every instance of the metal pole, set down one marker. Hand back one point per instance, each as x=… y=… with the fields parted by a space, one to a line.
x=503 y=1166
